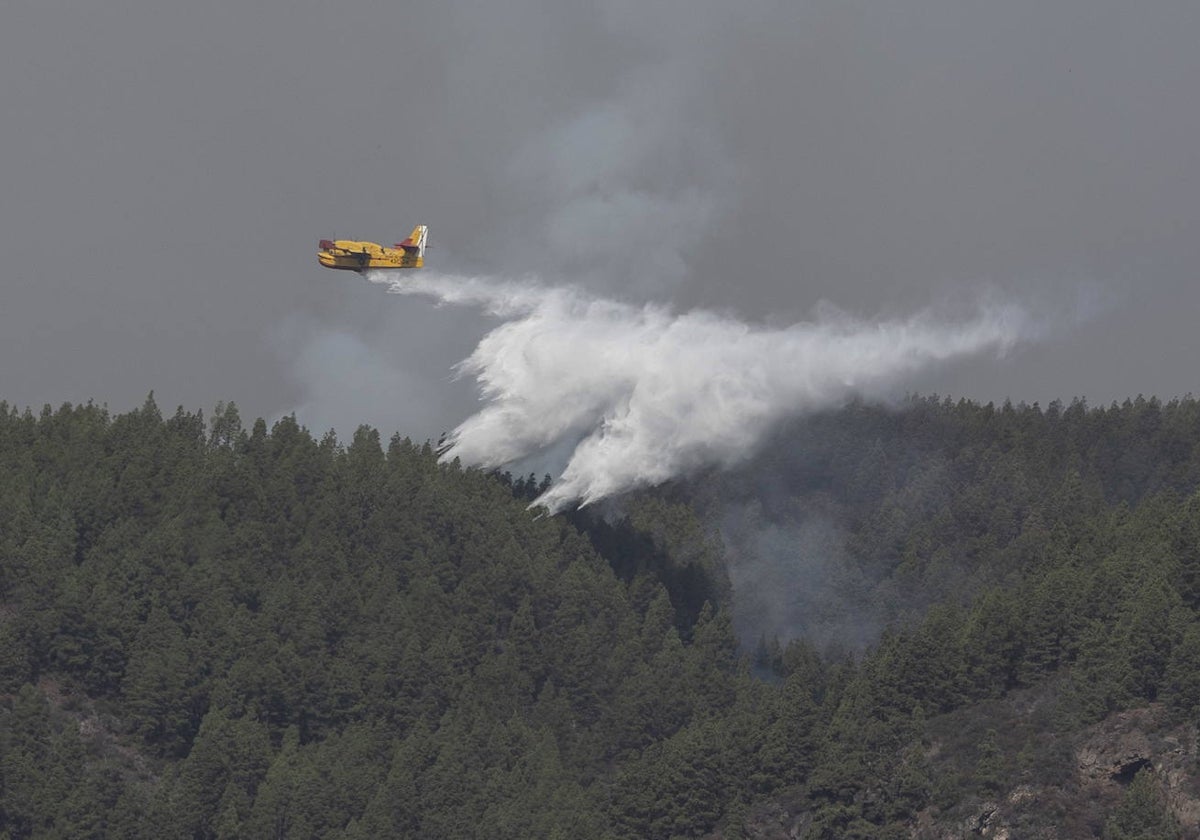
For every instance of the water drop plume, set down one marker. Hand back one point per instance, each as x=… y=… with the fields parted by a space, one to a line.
x=643 y=394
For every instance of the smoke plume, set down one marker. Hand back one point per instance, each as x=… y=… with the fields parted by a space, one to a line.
x=642 y=394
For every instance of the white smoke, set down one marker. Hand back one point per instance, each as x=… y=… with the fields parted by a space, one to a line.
x=646 y=394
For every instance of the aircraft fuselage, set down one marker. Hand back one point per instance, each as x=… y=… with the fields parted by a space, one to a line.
x=352 y=255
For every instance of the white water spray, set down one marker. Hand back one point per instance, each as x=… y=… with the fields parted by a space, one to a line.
x=647 y=394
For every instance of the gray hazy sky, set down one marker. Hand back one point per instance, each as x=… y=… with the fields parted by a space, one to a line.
x=166 y=170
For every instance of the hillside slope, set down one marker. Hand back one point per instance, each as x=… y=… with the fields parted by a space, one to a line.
x=211 y=631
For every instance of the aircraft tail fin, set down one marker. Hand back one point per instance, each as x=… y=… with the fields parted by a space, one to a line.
x=415 y=244
x=414 y=247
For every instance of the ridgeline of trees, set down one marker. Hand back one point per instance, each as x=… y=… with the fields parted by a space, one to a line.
x=214 y=632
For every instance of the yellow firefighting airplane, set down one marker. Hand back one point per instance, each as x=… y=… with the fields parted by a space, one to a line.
x=363 y=256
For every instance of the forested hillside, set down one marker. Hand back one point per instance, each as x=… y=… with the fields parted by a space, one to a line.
x=214 y=632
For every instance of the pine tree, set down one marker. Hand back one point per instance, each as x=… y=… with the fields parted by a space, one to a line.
x=1142 y=814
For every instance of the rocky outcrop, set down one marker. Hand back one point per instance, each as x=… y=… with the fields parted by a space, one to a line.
x=1106 y=758
x=1116 y=749
x=991 y=819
